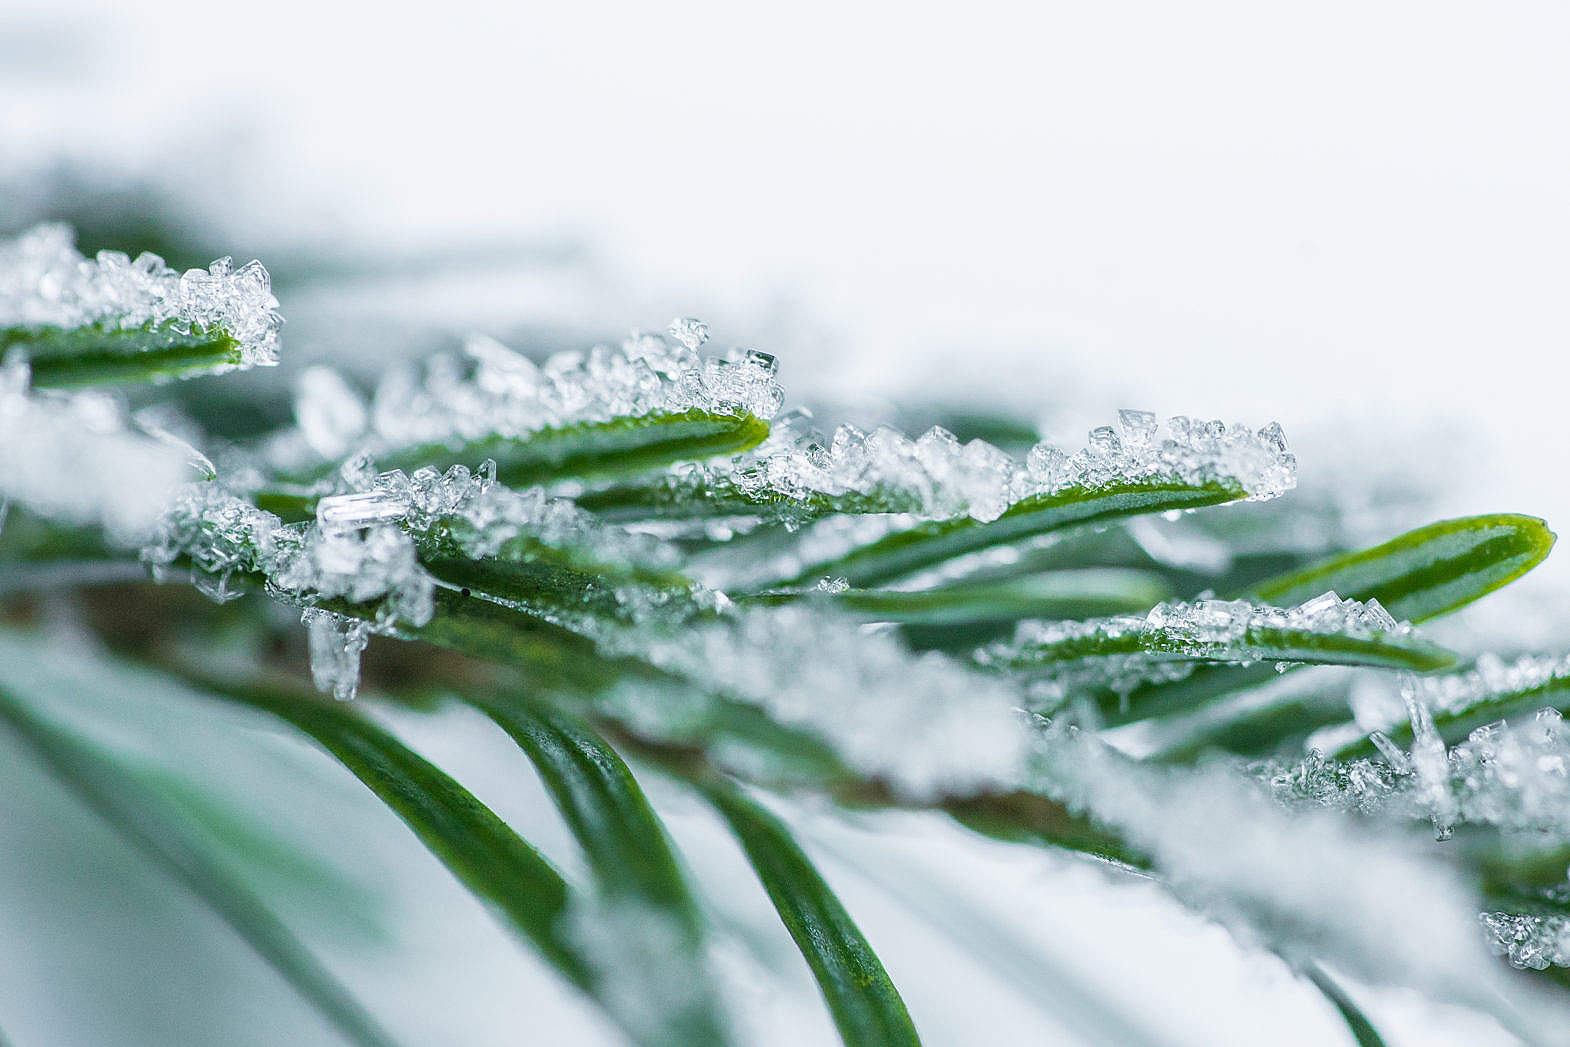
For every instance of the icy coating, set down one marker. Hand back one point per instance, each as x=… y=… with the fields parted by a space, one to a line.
x=480 y=517
x=936 y=477
x=76 y=459
x=1222 y=630
x=45 y=283
x=1492 y=678
x=491 y=391
x=1205 y=626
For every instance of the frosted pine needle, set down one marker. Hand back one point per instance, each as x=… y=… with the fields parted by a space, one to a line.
x=1118 y=653
x=936 y=477
x=492 y=392
x=46 y=285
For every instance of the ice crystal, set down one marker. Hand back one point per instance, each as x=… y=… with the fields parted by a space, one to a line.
x=1429 y=761
x=216 y=533
x=1364 y=786
x=75 y=458
x=1515 y=778
x=46 y=284
x=689 y=331
x=374 y=564
x=1491 y=689
x=492 y=392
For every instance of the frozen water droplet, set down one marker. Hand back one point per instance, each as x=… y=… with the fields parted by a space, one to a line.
x=336 y=644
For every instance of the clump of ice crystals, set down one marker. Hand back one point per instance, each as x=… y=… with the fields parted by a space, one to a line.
x=491 y=391
x=481 y=517
x=1217 y=630
x=1514 y=777
x=1533 y=941
x=1364 y=786
x=228 y=543
x=1491 y=687
x=222 y=535
x=935 y=476
x=76 y=459
x=46 y=284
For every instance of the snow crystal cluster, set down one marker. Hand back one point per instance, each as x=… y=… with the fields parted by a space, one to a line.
x=77 y=459
x=481 y=517
x=491 y=391
x=223 y=536
x=1514 y=777
x=228 y=543
x=46 y=284
x=1361 y=786
x=1492 y=688
x=1534 y=941
x=937 y=477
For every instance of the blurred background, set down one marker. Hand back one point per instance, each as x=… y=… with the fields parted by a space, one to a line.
x=1348 y=217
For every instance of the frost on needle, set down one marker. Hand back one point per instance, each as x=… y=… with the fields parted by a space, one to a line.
x=112 y=318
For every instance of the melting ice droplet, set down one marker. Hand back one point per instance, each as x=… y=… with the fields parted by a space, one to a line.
x=336 y=644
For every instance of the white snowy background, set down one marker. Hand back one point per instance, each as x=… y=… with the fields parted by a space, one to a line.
x=1349 y=217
